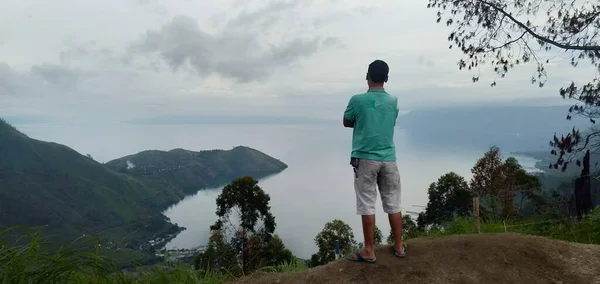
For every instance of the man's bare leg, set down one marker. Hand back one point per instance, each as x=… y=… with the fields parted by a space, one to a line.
x=368 y=250
x=368 y=223
x=396 y=224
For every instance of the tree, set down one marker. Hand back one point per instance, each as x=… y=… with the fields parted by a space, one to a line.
x=499 y=183
x=276 y=253
x=507 y=34
x=325 y=241
x=272 y=253
x=315 y=260
x=378 y=236
x=250 y=204
x=518 y=184
x=583 y=197
x=218 y=255
x=421 y=223
x=487 y=181
x=409 y=230
x=449 y=196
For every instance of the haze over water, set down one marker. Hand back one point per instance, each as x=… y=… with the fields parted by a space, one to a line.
x=317 y=186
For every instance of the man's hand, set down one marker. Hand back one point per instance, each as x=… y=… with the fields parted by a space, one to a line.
x=350 y=113
x=348 y=123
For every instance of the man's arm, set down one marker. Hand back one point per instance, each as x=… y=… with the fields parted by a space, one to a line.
x=348 y=123
x=350 y=114
x=397 y=110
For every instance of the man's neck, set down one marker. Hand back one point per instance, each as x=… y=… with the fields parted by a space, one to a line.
x=376 y=87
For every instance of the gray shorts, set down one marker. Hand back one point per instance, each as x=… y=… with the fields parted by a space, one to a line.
x=386 y=177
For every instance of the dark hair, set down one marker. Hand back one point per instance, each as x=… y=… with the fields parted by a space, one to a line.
x=378 y=71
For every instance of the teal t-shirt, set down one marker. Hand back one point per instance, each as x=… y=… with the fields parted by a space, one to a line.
x=374 y=114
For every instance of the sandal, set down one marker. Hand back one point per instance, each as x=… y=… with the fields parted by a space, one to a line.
x=400 y=255
x=359 y=258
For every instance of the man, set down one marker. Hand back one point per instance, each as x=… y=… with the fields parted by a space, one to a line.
x=372 y=116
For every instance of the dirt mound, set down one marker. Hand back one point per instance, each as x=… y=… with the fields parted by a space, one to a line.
x=484 y=258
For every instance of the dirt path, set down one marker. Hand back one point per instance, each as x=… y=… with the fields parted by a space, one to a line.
x=485 y=258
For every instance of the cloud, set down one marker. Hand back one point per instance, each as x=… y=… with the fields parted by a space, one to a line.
x=76 y=52
x=234 y=57
x=264 y=17
x=7 y=79
x=422 y=60
x=241 y=51
x=153 y=6
x=333 y=42
x=40 y=80
x=55 y=74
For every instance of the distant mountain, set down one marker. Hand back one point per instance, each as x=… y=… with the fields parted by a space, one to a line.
x=192 y=171
x=67 y=194
x=516 y=128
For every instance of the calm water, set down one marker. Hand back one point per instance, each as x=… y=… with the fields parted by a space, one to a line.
x=316 y=188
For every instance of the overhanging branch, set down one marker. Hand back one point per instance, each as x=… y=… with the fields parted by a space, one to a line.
x=537 y=36
x=507 y=43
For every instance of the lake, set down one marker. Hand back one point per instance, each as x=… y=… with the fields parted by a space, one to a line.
x=316 y=188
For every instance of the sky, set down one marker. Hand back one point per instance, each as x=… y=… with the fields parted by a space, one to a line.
x=117 y=60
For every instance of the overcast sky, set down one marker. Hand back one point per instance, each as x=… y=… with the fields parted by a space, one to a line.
x=124 y=59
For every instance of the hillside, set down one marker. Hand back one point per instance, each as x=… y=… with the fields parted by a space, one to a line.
x=68 y=195
x=564 y=182
x=51 y=185
x=191 y=171
x=545 y=159
x=484 y=258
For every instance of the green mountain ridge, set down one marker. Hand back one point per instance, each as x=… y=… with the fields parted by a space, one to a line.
x=191 y=171
x=69 y=195
x=51 y=185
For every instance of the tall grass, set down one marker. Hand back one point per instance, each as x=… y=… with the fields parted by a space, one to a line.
x=181 y=274
x=28 y=261
x=294 y=265
x=586 y=230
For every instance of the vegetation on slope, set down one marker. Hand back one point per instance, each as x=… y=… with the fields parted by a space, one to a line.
x=69 y=195
x=242 y=239
x=83 y=262
x=243 y=245
x=190 y=171
x=560 y=185
x=242 y=202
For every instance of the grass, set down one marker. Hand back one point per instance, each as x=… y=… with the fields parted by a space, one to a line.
x=567 y=229
x=84 y=261
x=294 y=265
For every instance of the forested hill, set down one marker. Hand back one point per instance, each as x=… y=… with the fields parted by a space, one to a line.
x=51 y=185
x=68 y=194
x=190 y=170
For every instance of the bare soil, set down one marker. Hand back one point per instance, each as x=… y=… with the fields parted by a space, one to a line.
x=483 y=258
